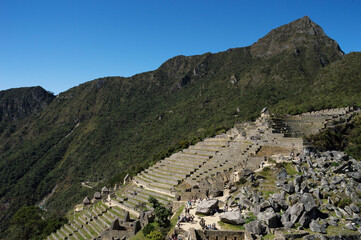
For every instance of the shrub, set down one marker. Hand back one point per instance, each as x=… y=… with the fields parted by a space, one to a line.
x=148 y=229
x=242 y=180
x=344 y=202
x=155 y=235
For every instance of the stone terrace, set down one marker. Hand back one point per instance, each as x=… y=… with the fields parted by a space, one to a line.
x=311 y=122
x=88 y=224
x=222 y=153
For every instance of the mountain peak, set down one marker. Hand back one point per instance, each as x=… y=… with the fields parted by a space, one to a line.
x=292 y=36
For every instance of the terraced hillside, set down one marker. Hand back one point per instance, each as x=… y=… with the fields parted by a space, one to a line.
x=243 y=146
x=89 y=223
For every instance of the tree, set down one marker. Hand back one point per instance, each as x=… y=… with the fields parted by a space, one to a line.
x=155 y=235
x=29 y=223
x=162 y=214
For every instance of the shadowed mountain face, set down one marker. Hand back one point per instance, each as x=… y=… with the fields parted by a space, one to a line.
x=102 y=129
x=19 y=103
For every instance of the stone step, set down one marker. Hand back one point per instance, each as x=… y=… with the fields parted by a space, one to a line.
x=159 y=178
x=139 y=180
x=195 y=157
x=178 y=165
x=72 y=237
x=84 y=224
x=118 y=213
x=95 y=212
x=107 y=217
x=54 y=236
x=76 y=236
x=74 y=225
x=206 y=147
x=169 y=172
x=199 y=152
x=154 y=181
x=98 y=224
x=103 y=223
x=61 y=234
x=154 y=194
x=136 y=200
x=129 y=204
x=160 y=189
x=185 y=161
x=89 y=230
x=145 y=198
x=95 y=227
x=169 y=175
x=171 y=168
x=84 y=233
x=152 y=186
x=71 y=227
x=68 y=228
x=213 y=143
x=113 y=214
x=82 y=220
x=102 y=208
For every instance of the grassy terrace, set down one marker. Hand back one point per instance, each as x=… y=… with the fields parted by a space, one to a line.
x=226 y=226
x=174 y=219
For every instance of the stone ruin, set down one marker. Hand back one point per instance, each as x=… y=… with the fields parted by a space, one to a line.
x=122 y=229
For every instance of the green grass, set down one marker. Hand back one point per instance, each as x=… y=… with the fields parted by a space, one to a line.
x=339 y=230
x=79 y=236
x=267 y=193
x=174 y=219
x=290 y=169
x=138 y=236
x=268 y=237
x=227 y=226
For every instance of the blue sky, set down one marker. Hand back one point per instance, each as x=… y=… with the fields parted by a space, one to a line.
x=59 y=44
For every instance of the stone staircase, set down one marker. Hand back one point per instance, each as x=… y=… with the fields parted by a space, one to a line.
x=89 y=224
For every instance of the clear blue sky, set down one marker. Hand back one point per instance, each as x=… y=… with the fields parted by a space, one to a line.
x=59 y=44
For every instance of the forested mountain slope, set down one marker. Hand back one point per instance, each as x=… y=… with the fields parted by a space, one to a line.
x=102 y=129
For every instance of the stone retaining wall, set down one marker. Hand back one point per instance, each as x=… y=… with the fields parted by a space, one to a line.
x=219 y=235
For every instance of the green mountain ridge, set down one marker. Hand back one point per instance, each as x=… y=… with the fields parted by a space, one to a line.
x=102 y=129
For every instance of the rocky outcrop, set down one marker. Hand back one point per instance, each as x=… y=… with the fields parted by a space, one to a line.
x=312 y=197
x=206 y=206
x=234 y=218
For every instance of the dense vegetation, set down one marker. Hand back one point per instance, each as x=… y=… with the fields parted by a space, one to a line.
x=101 y=130
x=344 y=137
x=33 y=223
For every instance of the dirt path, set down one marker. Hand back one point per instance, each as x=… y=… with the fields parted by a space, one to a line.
x=209 y=219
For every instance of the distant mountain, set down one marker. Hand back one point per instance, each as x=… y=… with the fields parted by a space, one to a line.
x=21 y=102
x=105 y=128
